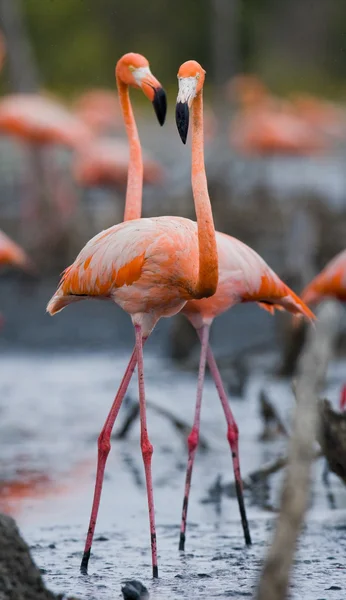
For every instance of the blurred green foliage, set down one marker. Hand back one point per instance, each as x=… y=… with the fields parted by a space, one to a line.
x=77 y=42
x=293 y=44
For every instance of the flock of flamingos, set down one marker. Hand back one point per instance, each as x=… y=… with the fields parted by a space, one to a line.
x=156 y=267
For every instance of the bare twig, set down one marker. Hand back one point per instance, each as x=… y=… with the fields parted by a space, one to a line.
x=273 y=425
x=131 y=417
x=259 y=475
x=295 y=492
x=181 y=426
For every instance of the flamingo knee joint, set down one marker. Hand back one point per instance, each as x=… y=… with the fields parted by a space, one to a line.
x=147 y=448
x=104 y=444
x=233 y=434
x=192 y=440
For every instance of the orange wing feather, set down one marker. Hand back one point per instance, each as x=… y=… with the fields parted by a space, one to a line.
x=331 y=282
x=130 y=272
x=73 y=282
x=275 y=294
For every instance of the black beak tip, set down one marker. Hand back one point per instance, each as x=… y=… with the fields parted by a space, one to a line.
x=160 y=105
x=182 y=120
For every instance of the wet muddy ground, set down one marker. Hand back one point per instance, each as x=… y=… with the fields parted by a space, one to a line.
x=52 y=409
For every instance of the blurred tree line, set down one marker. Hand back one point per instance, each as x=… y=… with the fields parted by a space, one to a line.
x=291 y=43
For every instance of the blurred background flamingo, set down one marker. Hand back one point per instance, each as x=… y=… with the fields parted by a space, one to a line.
x=330 y=283
x=266 y=125
x=12 y=255
x=40 y=121
x=100 y=110
x=105 y=161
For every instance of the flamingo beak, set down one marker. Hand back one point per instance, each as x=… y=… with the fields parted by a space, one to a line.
x=153 y=90
x=186 y=94
x=182 y=115
x=160 y=104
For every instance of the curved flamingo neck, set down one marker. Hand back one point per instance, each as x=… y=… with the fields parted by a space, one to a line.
x=208 y=258
x=133 y=201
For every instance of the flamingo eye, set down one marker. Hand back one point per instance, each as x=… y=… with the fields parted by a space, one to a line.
x=131 y=68
x=198 y=75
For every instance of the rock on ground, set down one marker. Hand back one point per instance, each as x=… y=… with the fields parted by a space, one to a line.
x=20 y=579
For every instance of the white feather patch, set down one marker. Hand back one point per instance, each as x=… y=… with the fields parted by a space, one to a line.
x=187 y=89
x=140 y=73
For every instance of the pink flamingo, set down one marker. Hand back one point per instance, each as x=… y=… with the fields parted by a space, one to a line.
x=12 y=254
x=266 y=125
x=266 y=131
x=243 y=277
x=150 y=267
x=99 y=109
x=105 y=161
x=329 y=283
x=42 y=121
x=321 y=115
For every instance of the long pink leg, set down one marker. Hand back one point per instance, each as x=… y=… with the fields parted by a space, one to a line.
x=193 y=438
x=104 y=446
x=232 y=436
x=147 y=449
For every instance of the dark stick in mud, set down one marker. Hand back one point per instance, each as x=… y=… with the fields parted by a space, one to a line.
x=181 y=426
x=261 y=474
x=273 y=424
x=312 y=367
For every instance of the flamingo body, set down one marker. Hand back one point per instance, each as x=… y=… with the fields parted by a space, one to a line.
x=265 y=131
x=41 y=120
x=99 y=109
x=105 y=161
x=243 y=277
x=12 y=254
x=331 y=282
x=267 y=125
x=147 y=266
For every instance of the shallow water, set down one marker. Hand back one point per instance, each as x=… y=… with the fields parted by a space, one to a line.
x=52 y=409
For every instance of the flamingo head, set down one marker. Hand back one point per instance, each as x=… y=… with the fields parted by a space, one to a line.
x=190 y=80
x=133 y=69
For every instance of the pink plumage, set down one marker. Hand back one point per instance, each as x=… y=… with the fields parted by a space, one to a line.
x=243 y=277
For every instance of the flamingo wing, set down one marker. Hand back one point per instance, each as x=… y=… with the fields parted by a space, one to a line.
x=156 y=258
x=331 y=282
x=109 y=260
x=273 y=294
x=258 y=282
x=244 y=277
